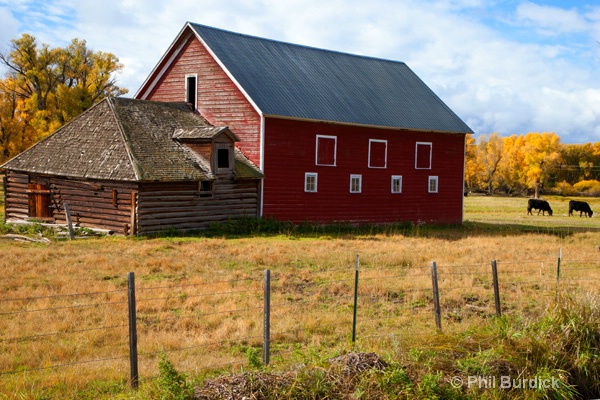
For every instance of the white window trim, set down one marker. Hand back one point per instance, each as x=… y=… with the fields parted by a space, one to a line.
x=334 y=150
x=385 y=158
x=395 y=177
x=429 y=181
x=430 y=144
x=313 y=175
x=359 y=178
x=195 y=76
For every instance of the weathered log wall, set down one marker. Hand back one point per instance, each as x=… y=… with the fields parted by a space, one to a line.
x=134 y=207
x=163 y=206
x=95 y=204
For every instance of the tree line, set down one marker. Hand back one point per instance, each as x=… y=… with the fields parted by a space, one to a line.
x=531 y=164
x=45 y=87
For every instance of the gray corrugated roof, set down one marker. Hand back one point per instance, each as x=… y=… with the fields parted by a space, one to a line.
x=124 y=139
x=290 y=80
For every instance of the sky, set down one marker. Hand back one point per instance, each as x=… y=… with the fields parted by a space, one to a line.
x=511 y=67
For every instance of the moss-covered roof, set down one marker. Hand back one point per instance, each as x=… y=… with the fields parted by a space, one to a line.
x=127 y=139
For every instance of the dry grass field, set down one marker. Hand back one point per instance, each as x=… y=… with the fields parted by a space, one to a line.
x=63 y=314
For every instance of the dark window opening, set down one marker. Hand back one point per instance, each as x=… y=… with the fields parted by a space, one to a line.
x=222 y=158
x=190 y=90
x=206 y=188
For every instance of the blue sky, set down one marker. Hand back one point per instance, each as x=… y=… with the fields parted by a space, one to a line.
x=511 y=67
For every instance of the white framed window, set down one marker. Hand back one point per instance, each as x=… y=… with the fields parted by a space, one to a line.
x=355 y=183
x=310 y=182
x=377 y=153
x=326 y=150
x=423 y=155
x=396 y=183
x=433 y=184
x=191 y=90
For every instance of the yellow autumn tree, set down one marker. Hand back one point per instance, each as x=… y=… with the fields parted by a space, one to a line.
x=541 y=156
x=490 y=153
x=510 y=167
x=472 y=164
x=45 y=88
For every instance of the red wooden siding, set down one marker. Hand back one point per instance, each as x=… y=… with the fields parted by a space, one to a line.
x=219 y=100
x=286 y=161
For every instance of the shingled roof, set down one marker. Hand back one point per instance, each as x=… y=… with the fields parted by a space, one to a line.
x=127 y=139
x=295 y=81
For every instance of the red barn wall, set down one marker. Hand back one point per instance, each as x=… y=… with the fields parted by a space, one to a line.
x=219 y=99
x=290 y=153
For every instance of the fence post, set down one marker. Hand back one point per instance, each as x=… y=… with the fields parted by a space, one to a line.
x=355 y=299
x=267 y=317
x=133 y=355
x=436 y=296
x=69 y=221
x=558 y=269
x=496 y=288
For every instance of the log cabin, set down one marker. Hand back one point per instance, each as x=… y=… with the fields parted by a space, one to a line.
x=133 y=167
x=338 y=136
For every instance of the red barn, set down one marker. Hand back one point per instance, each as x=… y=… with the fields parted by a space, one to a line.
x=338 y=137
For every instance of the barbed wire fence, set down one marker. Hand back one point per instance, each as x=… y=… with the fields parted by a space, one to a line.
x=224 y=325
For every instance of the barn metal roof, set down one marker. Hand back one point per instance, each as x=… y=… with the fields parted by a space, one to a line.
x=127 y=139
x=289 y=80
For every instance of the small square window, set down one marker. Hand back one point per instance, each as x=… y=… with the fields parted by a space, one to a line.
x=310 y=182
x=355 y=183
x=396 y=184
x=433 y=184
x=206 y=188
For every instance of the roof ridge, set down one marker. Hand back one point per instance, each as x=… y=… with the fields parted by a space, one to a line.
x=132 y=159
x=345 y=53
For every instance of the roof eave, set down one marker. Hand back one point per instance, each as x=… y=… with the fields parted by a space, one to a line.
x=396 y=128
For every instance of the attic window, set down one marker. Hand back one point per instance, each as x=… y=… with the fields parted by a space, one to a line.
x=222 y=158
x=423 y=155
x=377 y=153
x=191 y=90
x=326 y=150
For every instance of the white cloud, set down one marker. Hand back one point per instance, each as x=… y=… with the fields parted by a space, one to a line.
x=528 y=68
x=550 y=20
x=9 y=28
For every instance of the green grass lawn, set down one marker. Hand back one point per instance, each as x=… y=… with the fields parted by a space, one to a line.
x=512 y=211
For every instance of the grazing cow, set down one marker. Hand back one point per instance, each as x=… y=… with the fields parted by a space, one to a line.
x=581 y=206
x=540 y=205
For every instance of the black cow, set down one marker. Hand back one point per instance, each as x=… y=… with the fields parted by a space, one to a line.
x=581 y=206
x=540 y=205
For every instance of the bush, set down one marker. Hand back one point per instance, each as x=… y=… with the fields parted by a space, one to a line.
x=564 y=188
x=172 y=384
x=589 y=188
